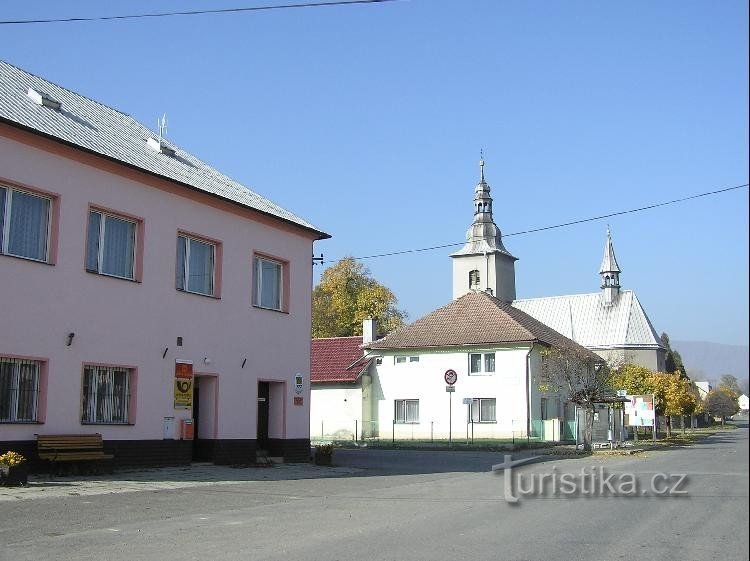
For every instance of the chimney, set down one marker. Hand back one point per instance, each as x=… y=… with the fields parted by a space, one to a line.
x=369 y=330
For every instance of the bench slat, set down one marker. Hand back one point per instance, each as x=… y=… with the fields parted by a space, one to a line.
x=71 y=447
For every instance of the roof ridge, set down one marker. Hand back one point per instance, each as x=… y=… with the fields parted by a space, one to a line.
x=581 y=295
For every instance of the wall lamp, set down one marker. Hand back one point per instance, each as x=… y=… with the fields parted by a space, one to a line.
x=70 y=339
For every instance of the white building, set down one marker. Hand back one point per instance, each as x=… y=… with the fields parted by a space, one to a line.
x=742 y=401
x=490 y=339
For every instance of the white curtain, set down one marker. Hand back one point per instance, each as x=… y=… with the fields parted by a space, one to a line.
x=29 y=217
x=92 y=245
x=180 y=269
x=105 y=395
x=200 y=267
x=119 y=243
x=270 y=285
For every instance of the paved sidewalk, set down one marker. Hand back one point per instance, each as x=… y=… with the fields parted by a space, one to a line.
x=196 y=475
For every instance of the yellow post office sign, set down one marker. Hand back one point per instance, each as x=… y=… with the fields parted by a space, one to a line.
x=183 y=384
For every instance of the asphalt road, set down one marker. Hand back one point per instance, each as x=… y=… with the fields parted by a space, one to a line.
x=409 y=505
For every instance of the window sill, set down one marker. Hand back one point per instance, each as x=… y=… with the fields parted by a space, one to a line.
x=481 y=373
x=108 y=424
x=105 y=275
x=211 y=296
x=31 y=259
x=406 y=423
x=282 y=311
x=21 y=422
x=483 y=422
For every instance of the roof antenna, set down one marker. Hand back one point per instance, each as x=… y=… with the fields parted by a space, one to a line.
x=162 y=123
x=481 y=165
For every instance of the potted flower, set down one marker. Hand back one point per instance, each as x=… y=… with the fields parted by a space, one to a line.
x=323 y=454
x=16 y=470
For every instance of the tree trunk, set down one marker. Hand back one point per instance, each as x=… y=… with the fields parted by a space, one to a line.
x=682 y=423
x=588 y=428
x=668 y=420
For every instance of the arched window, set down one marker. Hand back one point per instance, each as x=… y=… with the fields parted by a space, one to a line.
x=606 y=280
x=474 y=279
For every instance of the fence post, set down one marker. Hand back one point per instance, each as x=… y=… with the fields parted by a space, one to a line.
x=393 y=432
x=355 y=428
x=432 y=439
x=321 y=429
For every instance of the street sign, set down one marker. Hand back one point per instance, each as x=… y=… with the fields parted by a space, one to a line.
x=450 y=377
x=467 y=401
x=450 y=388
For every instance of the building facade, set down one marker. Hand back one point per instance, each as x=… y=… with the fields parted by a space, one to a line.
x=154 y=300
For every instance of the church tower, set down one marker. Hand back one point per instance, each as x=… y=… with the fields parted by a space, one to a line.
x=483 y=264
x=610 y=273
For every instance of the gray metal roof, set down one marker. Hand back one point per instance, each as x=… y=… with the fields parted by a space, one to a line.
x=609 y=261
x=94 y=127
x=585 y=319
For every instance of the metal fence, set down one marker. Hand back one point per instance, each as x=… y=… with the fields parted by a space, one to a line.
x=433 y=433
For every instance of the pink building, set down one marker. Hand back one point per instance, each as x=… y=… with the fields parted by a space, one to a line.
x=143 y=289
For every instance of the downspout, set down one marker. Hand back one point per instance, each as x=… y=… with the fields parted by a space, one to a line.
x=528 y=391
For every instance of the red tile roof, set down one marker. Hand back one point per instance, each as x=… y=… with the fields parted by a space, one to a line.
x=337 y=359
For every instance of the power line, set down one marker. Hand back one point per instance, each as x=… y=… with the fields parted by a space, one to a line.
x=199 y=12
x=561 y=225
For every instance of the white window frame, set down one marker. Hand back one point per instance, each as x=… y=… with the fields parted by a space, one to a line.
x=6 y=222
x=404 y=407
x=478 y=402
x=186 y=265
x=258 y=282
x=483 y=364
x=100 y=255
x=13 y=396
x=93 y=387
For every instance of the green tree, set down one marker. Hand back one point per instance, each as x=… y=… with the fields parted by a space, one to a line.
x=730 y=384
x=721 y=403
x=673 y=360
x=348 y=294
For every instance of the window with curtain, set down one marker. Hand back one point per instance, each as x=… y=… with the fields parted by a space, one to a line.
x=267 y=282
x=110 y=248
x=483 y=410
x=24 y=224
x=106 y=395
x=19 y=390
x=406 y=411
x=481 y=363
x=195 y=265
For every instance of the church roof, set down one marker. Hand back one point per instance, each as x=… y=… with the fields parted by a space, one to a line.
x=475 y=318
x=93 y=127
x=585 y=319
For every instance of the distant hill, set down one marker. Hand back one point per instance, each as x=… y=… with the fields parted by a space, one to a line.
x=710 y=361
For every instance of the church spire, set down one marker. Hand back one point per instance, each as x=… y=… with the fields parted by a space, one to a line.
x=609 y=271
x=484 y=263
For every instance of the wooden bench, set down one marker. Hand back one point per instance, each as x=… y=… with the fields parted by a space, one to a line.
x=70 y=448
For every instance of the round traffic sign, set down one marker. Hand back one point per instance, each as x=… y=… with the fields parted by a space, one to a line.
x=450 y=377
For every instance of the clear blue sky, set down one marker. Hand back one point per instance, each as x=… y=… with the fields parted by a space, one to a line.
x=368 y=121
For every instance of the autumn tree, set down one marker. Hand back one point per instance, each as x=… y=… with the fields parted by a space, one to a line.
x=584 y=375
x=348 y=294
x=731 y=385
x=680 y=398
x=634 y=379
x=721 y=403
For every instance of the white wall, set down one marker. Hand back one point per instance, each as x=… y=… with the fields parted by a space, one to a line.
x=335 y=411
x=424 y=381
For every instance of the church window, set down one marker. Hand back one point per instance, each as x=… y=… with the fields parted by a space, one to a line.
x=474 y=279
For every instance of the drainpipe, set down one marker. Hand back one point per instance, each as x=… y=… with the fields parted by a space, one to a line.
x=528 y=391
